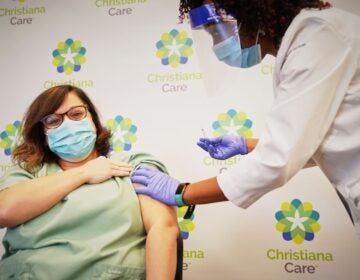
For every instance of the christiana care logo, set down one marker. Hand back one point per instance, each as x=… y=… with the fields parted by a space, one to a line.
x=123 y=133
x=174 y=48
x=185 y=225
x=9 y=137
x=232 y=123
x=297 y=221
x=69 y=56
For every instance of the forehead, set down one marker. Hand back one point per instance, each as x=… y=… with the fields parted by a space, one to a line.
x=70 y=100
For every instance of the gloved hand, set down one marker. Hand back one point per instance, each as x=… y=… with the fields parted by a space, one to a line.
x=224 y=147
x=157 y=184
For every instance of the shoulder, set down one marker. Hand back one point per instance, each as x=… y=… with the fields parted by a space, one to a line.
x=13 y=175
x=138 y=158
x=315 y=38
x=129 y=156
x=319 y=25
x=16 y=173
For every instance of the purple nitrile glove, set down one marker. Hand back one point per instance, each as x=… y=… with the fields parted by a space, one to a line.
x=157 y=184
x=224 y=147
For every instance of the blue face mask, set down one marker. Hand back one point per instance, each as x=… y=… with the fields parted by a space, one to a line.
x=72 y=140
x=230 y=52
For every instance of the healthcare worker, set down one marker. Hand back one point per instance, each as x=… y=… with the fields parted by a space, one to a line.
x=315 y=118
x=69 y=206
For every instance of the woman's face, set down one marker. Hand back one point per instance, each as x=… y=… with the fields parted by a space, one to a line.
x=70 y=101
x=74 y=141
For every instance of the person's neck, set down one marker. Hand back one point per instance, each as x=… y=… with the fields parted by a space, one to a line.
x=66 y=165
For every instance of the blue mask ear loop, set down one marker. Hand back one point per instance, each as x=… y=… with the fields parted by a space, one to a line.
x=257 y=34
x=257 y=39
x=239 y=34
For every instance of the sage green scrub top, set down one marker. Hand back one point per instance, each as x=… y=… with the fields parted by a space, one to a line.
x=95 y=232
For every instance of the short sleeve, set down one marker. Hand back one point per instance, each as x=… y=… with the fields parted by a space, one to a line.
x=138 y=159
x=13 y=176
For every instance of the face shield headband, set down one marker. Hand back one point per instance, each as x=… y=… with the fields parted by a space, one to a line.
x=219 y=25
x=203 y=15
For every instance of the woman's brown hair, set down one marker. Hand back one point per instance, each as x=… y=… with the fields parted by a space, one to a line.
x=33 y=151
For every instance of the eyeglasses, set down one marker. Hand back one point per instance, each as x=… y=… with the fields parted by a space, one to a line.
x=75 y=113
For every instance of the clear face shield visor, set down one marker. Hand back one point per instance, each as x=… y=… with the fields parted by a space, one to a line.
x=220 y=55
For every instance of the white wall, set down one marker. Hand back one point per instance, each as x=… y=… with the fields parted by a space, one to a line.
x=349 y=5
x=222 y=241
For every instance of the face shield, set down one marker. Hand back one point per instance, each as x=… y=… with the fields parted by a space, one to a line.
x=218 y=25
x=221 y=31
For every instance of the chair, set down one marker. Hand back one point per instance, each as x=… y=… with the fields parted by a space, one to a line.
x=179 y=262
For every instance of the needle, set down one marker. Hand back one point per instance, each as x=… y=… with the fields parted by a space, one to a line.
x=203 y=132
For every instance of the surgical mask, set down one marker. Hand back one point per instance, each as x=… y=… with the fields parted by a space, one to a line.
x=72 y=140
x=230 y=52
x=251 y=56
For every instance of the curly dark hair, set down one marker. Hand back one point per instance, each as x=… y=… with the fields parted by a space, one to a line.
x=273 y=17
x=32 y=150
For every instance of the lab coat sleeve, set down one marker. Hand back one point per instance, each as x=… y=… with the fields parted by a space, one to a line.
x=311 y=83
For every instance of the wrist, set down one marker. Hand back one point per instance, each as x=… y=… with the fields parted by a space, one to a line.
x=179 y=194
x=179 y=198
x=243 y=146
x=82 y=174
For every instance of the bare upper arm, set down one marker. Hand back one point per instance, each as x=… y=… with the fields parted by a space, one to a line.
x=156 y=213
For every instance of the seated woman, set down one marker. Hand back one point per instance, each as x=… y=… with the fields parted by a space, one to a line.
x=70 y=209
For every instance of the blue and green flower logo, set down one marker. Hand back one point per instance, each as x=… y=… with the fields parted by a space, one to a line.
x=185 y=225
x=174 y=48
x=69 y=56
x=232 y=123
x=9 y=136
x=123 y=132
x=297 y=221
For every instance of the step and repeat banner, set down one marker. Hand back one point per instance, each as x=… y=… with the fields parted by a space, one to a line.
x=141 y=68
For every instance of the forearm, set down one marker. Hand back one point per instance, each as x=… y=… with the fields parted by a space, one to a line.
x=251 y=144
x=162 y=229
x=28 y=199
x=161 y=248
x=202 y=192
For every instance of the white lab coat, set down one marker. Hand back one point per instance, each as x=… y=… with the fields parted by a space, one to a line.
x=316 y=114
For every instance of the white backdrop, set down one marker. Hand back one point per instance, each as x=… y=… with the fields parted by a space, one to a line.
x=162 y=108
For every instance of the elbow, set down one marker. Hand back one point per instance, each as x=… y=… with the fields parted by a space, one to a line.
x=7 y=218
x=3 y=214
x=4 y=220
x=169 y=227
x=275 y=171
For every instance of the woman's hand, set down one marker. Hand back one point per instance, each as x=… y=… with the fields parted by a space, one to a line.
x=102 y=168
x=224 y=147
x=155 y=184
